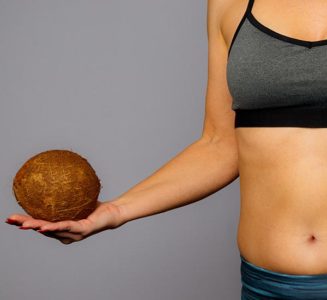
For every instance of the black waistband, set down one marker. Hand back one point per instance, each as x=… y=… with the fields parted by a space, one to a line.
x=294 y=116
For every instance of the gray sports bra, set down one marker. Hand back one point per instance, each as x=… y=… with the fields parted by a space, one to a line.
x=276 y=80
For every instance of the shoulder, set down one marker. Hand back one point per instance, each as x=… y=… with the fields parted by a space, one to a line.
x=225 y=15
x=216 y=14
x=221 y=11
x=219 y=8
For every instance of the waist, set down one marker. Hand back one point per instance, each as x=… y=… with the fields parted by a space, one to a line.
x=284 y=233
x=282 y=239
x=292 y=116
x=283 y=217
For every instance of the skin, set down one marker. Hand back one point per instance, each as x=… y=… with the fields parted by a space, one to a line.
x=105 y=216
x=282 y=171
x=202 y=168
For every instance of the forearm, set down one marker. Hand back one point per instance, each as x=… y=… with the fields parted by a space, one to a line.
x=198 y=171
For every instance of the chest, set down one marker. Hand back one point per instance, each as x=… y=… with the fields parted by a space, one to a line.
x=264 y=70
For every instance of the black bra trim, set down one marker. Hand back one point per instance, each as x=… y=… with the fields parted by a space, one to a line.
x=253 y=20
x=245 y=14
x=293 y=116
x=283 y=37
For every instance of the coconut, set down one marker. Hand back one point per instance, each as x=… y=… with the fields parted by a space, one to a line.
x=57 y=185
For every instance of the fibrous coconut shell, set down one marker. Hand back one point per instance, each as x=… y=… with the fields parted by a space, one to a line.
x=57 y=185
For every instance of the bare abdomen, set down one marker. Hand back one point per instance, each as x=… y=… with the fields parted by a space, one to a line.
x=283 y=216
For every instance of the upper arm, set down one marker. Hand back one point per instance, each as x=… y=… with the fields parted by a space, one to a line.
x=219 y=116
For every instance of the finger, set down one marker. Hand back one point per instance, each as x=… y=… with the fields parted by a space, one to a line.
x=60 y=237
x=66 y=241
x=49 y=234
x=69 y=226
x=34 y=224
x=63 y=234
x=17 y=219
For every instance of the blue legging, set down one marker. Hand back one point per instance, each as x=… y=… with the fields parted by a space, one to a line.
x=262 y=284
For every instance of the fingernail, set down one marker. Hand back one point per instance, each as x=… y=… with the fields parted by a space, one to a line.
x=10 y=221
x=22 y=227
x=44 y=230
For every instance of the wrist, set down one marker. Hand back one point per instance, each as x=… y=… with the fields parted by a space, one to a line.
x=121 y=216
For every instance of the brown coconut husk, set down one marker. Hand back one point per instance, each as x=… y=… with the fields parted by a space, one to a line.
x=57 y=185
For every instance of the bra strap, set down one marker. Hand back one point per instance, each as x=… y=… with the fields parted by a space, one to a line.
x=245 y=14
x=249 y=7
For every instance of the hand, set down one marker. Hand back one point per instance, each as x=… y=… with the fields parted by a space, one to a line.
x=106 y=216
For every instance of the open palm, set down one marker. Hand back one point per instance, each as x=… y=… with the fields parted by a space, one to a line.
x=106 y=216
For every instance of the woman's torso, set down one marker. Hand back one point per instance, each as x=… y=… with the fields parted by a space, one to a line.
x=283 y=170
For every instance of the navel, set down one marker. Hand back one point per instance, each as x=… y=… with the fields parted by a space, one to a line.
x=312 y=238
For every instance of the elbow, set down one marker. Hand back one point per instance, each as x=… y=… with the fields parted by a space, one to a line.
x=225 y=150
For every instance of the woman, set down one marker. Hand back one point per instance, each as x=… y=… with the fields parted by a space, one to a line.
x=265 y=121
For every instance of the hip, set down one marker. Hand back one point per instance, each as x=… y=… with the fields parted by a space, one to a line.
x=262 y=284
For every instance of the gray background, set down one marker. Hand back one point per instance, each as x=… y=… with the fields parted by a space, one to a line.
x=123 y=84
